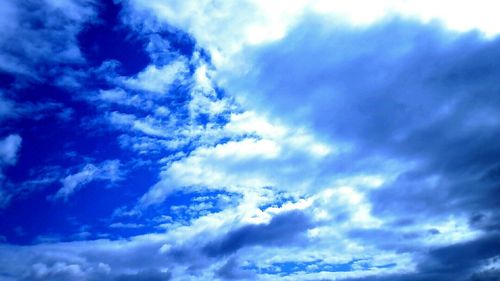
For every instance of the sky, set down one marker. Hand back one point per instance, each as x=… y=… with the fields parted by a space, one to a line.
x=307 y=140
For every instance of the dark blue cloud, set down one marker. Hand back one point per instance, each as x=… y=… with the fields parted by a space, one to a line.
x=231 y=270
x=41 y=36
x=460 y=262
x=283 y=229
x=287 y=229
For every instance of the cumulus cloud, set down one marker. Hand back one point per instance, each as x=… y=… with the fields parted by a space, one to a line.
x=412 y=100
x=146 y=257
x=400 y=98
x=93 y=260
x=225 y=29
x=158 y=79
x=258 y=155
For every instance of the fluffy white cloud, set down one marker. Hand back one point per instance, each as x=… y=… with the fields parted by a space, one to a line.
x=148 y=125
x=225 y=28
x=158 y=79
x=161 y=120
x=92 y=260
x=182 y=250
x=261 y=155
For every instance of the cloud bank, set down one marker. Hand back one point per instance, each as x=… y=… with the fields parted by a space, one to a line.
x=297 y=140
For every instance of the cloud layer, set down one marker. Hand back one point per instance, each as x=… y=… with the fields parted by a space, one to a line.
x=304 y=140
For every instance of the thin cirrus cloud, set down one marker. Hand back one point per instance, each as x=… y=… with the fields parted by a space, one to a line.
x=106 y=171
x=294 y=140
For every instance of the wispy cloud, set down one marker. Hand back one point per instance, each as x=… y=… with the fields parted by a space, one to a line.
x=37 y=34
x=105 y=171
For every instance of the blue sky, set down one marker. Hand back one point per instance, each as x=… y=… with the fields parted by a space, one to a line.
x=249 y=140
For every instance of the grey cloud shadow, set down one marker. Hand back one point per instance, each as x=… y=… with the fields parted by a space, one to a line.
x=459 y=262
x=283 y=230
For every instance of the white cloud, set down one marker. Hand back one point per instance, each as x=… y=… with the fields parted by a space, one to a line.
x=157 y=124
x=261 y=158
x=9 y=147
x=113 y=95
x=249 y=122
x=125 y=225
x=148 y=125
x=158 y=79
x=72 y=182
x=106 y=171
x=92 y=260
x=225 y=28
x=261 y=155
